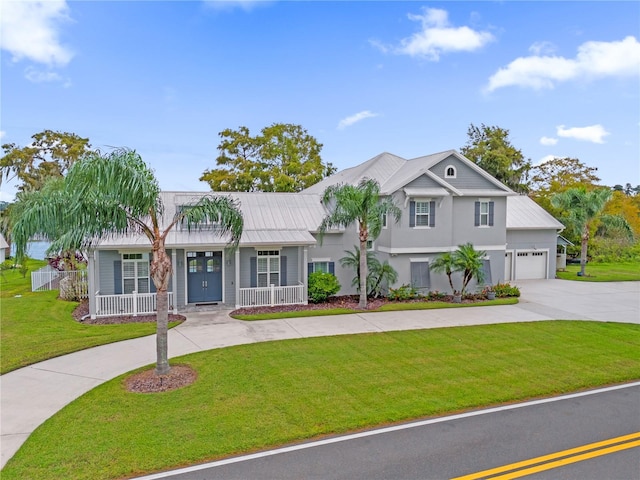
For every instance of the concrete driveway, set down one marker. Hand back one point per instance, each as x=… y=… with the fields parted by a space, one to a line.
x=30 y=395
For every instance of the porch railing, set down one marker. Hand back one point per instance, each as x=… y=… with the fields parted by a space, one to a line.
x=270 y=296
x=133 y=304
x=48 y=278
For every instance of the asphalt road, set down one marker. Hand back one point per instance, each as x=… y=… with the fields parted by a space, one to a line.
x=463 y=445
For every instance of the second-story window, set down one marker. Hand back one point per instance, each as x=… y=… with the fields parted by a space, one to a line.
x=422 y=213
x=483 y=213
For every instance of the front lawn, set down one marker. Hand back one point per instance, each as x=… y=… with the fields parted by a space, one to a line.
x=603 y=272
x=36 y=326
x=253 y=397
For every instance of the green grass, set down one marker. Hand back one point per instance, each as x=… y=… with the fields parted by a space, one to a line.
x=389 y=307
x=253 y=397
x=603 y=272
x=36 y=326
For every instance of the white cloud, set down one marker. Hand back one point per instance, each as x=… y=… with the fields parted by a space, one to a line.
x=347 y=122
x=437 y=37
x=30 y=29
x=548 y=141
x=593 y=133
x=2 y=134
x=594 y=59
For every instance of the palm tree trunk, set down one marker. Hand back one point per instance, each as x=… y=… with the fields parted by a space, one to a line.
x=583 y=250
x=160 y=273
x=162 y=333
x=362 y=304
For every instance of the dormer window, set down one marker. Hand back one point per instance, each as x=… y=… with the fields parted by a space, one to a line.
x=450 y=172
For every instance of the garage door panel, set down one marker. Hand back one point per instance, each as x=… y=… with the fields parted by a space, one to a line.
x=531 y=265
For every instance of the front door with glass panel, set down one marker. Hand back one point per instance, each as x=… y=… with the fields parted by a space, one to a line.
x=204 y=277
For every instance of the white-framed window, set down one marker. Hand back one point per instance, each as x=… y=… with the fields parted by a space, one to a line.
x=135 y=273
x=268 y=268
x=450 y=172
x=370 y=244
x=484 y=213
x=320 y=267
x=423 y=212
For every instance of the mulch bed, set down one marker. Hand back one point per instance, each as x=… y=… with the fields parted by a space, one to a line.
x=82 y=311
x=341 y=301
x=148 y=382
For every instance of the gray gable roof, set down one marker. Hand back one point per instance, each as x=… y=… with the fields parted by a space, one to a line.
x=393 y=173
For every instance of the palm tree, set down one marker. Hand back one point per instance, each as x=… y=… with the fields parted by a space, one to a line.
x=359 y=204
x=582 y=208
x=469 y=261
x=444 y=264
x=352 y=260
x=381 y=274
x=117 y=194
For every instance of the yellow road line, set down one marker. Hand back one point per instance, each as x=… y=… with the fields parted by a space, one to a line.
x=558 y=463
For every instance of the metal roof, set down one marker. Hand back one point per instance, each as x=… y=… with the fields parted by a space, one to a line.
x=291 y=218
x=523 y=213
x=269 y=219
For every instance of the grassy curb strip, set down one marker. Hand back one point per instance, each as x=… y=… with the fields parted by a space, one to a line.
x=256 y=396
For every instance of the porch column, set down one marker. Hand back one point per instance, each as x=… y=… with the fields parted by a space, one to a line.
x=91 y=281
x=305 y=278
x=237 y=275
x=174 y=280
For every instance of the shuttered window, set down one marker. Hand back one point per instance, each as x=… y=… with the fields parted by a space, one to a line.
x=268 y=266
x=135 y=273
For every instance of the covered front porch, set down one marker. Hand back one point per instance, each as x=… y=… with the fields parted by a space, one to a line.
x=251 y=276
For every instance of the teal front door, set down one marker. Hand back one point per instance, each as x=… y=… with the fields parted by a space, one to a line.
x=204 y=277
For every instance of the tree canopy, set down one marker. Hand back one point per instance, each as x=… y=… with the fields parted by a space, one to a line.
x=112 y=194
x=581 y=210
x=491 y=149
x=51 y=154
x=558 y=175
x=360 y=204
x=282 y=158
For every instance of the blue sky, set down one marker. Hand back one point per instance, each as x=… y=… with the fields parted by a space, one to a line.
x=409 y=78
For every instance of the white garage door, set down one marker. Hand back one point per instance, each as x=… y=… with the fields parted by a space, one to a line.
x=531 y=265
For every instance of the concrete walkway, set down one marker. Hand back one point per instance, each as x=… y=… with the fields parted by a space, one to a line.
x=32 y=394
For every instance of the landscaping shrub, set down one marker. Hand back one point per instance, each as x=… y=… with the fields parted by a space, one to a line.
x=404 y=292
x=506 y=290
x=322 y=286
x=437 y=296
